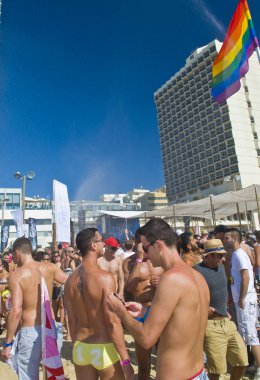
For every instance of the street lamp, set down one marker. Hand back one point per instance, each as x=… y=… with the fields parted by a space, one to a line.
x=24 y=178
x=3 y=202
x=232 y=178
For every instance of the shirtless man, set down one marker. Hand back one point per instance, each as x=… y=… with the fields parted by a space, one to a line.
x=68 y=262
x=189 y=247
x=113 y=264
x=5 y=294
x=96 y=333
x=25 y=287
x=179 y=310
x=142 y=281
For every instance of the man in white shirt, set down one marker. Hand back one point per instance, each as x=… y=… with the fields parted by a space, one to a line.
x=243 y=292
x=128 y=249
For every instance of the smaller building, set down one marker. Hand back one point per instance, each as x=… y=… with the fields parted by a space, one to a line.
x=38 y=208
x=137 y=193
x=153 y=199
x=120 y=198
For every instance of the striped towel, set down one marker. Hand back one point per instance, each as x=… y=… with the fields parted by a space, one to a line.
x=51 y=359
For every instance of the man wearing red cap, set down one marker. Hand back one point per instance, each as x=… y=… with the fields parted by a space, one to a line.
x=113 y=263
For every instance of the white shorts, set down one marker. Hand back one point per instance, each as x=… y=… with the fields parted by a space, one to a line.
x=246 y=323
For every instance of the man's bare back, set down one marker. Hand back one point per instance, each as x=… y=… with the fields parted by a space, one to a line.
x=86 y=304
x=25 y=287
x=27 y=280
x=97 y=334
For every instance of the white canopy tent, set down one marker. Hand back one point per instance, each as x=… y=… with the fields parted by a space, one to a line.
x=211 y=207
x=222 y=205
x=123 y=214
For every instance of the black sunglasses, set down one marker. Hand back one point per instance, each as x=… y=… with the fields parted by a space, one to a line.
x=218 y=255
x=146 y=248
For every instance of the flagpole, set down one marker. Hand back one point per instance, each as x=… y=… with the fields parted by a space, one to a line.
x=258 y=53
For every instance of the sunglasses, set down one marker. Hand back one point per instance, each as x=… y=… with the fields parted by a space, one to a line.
x=147 y=247
x=218 y=255
x=112 y=248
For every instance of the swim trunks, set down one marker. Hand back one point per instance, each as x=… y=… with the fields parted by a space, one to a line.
x=201 y=375
x=4 y=294
x=100 y=356
x=142 y=319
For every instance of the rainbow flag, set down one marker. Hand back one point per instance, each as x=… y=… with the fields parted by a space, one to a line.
x=232 y=61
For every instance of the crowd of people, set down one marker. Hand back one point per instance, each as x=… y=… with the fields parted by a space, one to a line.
x=193 y=298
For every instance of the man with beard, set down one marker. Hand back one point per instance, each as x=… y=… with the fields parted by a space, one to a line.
x=189 y=247
x=243 y=292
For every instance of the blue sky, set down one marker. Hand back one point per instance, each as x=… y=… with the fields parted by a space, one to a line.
x=77 y=80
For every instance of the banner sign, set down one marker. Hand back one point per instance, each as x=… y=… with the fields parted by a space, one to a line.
x=61 y=211
x=4 y=237
x=18 y=220
x=32 y=235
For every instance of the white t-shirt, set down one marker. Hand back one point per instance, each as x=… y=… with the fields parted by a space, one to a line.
x=239 y=261
x=127 y=254
x=119 y=251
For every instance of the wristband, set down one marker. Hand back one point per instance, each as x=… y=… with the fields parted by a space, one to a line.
x=8 y=344
x=138 y=260
x=125 y=362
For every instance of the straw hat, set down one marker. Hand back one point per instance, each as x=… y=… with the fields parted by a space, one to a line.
x=213 y=246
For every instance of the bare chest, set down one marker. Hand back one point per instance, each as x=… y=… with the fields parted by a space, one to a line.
x=111 y=266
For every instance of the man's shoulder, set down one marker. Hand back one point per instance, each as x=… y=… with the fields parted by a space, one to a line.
x=178 y=273
x=239 y=254
x=103 y=275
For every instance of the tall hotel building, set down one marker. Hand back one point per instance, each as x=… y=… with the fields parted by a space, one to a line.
x=203 y=142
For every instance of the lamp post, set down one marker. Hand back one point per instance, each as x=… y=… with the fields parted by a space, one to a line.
x=3 y=202
x=232 y=178
x=24 y=178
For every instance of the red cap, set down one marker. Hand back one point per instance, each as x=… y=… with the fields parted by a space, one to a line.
x=112 y=242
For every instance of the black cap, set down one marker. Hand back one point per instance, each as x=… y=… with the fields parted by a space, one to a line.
x=220 y=228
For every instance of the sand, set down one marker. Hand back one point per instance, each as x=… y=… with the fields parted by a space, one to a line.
x=7 y=374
